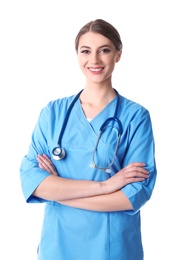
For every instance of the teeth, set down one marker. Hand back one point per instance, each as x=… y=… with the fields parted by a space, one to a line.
x=92 y=69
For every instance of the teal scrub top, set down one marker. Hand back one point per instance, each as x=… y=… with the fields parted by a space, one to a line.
x=70 y=233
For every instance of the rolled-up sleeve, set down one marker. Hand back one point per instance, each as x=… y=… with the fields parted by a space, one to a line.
x=141 y=148
x=30 y=173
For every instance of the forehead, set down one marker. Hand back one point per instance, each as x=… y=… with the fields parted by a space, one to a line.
x=94 y=40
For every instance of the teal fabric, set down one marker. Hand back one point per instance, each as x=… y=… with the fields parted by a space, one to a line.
x=69 y=233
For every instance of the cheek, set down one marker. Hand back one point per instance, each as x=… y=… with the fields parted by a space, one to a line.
x=82 y=62
x=112 y=63
x=82 y=66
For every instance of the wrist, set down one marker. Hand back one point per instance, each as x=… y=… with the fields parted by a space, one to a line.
x=105 y=187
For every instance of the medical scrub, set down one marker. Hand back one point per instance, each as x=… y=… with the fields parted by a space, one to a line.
x=70 y=233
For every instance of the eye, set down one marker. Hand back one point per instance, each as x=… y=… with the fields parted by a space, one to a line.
x=105 y=50
x=85 y=51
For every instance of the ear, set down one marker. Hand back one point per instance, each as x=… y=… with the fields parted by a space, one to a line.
x=118 y=57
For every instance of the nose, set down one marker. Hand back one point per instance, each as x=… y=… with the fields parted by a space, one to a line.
x=94 y=57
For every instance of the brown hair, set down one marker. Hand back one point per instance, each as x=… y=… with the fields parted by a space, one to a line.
x=102 y=27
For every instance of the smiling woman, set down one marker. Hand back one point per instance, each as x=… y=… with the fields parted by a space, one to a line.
x=97 y=56
x=108 y=171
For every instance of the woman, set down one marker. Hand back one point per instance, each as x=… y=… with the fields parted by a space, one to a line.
x=95 y=187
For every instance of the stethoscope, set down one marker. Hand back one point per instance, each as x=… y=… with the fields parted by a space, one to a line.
x=58 y=153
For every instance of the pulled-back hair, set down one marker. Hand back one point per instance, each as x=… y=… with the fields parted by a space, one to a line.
x=102 y=27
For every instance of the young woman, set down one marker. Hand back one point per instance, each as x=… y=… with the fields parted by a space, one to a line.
x=92 y=161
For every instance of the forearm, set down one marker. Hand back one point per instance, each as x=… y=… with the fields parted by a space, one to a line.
x=116 y=201
x=56 y=188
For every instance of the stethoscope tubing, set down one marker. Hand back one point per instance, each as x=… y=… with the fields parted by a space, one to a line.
x=58 y=153
x=67 y=117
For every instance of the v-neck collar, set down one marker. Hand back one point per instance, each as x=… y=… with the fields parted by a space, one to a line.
x=98 y=120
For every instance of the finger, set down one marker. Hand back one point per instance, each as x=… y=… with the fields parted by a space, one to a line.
x=141 y=175
x=134 y=175
x=41 y=166
x=135 y=170
x=141 y=164
x=44 y=158
x=44 y=164
x=46 y=161
x=142 y=170
x=47 y=158
x=137 y=179
x=44 y=168
x=135 y=166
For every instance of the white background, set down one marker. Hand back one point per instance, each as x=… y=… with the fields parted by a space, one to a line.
x=38 y=63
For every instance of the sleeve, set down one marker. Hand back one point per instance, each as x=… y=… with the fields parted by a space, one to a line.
x=30 y=173
x=141 y=148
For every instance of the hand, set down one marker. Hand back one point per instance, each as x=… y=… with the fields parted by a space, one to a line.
x=46 y=164
x=134 y=172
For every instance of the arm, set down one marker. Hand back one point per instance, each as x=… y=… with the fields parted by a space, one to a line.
x=141 y=147
x=91 y=195
x=115 y=201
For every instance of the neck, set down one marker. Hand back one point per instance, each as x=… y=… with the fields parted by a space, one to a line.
x=97 y=96
x=93 y=101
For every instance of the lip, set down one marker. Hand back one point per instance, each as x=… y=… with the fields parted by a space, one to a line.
x=95 y=70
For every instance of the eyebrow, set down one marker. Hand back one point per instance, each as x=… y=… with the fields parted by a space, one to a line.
x=102 y=46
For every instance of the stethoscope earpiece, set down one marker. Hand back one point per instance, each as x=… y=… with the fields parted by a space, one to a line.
x=58 y=153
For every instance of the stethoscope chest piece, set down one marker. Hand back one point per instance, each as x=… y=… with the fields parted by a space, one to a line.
x=58 y=153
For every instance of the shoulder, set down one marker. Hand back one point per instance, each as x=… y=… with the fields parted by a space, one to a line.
x=59 y=105
x=132 y=108
x=135 y=116
x=56 y=109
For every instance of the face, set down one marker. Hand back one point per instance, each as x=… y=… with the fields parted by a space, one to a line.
x=97 y=57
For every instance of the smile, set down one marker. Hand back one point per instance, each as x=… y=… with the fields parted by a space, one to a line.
x=95 y=69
